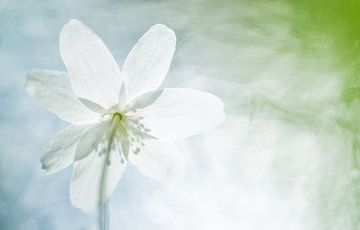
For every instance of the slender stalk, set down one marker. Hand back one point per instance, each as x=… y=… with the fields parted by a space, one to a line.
x=103 y=213
x=104 y=210
x=104 y=216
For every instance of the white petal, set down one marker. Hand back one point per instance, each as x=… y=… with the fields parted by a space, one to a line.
x=149 y=60
x=122 y=96
x=92 y=139
x=124 y=141
x=161 y=161
x=59 y=153
x=52 y=90
x=93 y=106
x=174 y=114
x=94 y=179
x=94 y=73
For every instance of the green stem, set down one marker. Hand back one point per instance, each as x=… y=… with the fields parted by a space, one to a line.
x=104 y=216
x=104 y=211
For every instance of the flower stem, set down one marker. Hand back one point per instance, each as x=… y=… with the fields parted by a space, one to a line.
x=104 y=216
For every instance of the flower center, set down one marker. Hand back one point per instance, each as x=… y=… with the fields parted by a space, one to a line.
x=132 y=131
x=117 y=116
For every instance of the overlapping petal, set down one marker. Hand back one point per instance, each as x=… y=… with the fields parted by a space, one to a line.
x=93 y=71
x=161 y=161
x=95 y=178
x=92 y=140
x=59 y=153
x=149 y=60
x=176 y=113
x=52 y=90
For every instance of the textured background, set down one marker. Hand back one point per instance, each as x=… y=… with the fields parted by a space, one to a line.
x=286 y=157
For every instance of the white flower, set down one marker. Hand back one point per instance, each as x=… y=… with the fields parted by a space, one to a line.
x=117 y=115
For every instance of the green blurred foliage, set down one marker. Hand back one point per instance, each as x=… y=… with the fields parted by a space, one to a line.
x=336 y=23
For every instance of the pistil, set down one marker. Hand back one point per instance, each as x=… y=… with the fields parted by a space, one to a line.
x=117 y=116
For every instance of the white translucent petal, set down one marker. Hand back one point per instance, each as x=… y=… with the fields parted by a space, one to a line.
x=95 y=178
x=93 y=106
x=148 y=62
x=93 y=139
x=94 y=73
x=161 y=161
x=52 y=90
x=123 y=140
x=59 y=153
x=122 y=97
x=174 y=114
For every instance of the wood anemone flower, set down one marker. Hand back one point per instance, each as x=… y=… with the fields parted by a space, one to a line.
x=117 y=115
